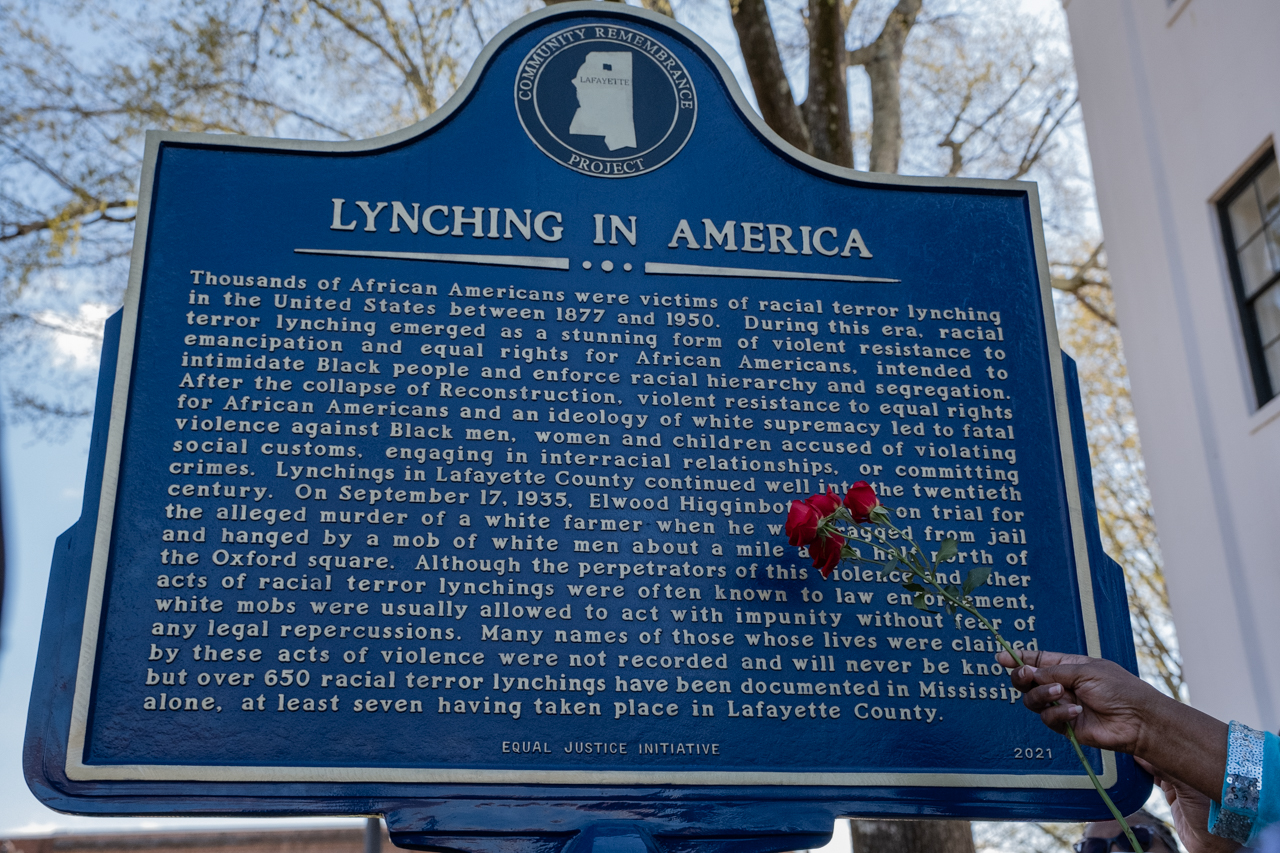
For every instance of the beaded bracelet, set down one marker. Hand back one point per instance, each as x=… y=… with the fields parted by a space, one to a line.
x=1241 y=787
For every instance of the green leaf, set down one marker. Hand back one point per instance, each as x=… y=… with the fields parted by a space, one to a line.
x=977 y=577
x=889 y=564
x=914 y=587
x=919 y=604
x=947 y=550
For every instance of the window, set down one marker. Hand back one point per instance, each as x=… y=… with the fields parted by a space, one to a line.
x=1250 y=216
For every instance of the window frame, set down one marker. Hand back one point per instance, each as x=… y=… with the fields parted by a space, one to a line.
x=1266 y=388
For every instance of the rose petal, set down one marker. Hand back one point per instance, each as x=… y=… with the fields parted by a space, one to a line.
x=860 y=500
x=824 y=504
x=802 y=523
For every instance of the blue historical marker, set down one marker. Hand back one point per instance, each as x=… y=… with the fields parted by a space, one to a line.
x=444 y=475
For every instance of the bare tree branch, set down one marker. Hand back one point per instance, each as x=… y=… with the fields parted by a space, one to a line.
x=398 y=58
x=76 y=211
x=1038 y=143
x=1084 y=275
x=50 y=411
x=955 y=145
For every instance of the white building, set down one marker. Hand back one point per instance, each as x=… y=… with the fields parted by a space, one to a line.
x=1182 y=107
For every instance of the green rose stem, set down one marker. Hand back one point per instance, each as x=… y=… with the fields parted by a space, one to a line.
x=956 y=598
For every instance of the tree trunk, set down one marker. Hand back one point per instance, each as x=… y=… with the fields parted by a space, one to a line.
x=911 y=836
x=826 y=107
x=764 y=67
x=883 y=61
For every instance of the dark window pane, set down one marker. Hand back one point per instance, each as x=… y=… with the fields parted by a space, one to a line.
x=1251 y=222
x=1272 y=232
x=1269 y=190
x=1245 y=218
x=1255 y=266
x=1267 y=309
x=1272 y=356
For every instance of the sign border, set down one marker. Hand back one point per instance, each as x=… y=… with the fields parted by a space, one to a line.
x=77 y=770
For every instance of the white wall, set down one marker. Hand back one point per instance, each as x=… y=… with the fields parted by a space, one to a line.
x=1176 y=100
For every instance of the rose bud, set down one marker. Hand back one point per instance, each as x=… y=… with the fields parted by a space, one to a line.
x=824 y=504
x=860 y=500
x=802 y=523
x=826 y=553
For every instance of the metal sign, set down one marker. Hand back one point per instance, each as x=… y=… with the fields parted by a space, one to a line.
x=443 y=476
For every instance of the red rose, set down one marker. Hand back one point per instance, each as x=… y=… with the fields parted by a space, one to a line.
x=860 y=500
x=802 y=523
x=824 y=504
x=826 y=553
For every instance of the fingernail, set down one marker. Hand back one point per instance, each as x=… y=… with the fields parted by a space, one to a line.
x=1055 y=690
x=1076 y=710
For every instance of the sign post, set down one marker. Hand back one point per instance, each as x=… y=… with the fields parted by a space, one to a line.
x=443 y=476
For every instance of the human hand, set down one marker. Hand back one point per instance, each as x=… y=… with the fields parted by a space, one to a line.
x=1109 y=707
x=1190 y=814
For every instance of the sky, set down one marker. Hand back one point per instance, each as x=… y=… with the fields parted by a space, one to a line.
x=42 y=489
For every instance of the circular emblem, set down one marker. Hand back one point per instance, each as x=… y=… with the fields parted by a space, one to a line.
x=606 y=101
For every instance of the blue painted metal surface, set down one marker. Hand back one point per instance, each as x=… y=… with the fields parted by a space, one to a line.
x=445 y=780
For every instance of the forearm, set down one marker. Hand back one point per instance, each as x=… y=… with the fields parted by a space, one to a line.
x=1187 y=744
